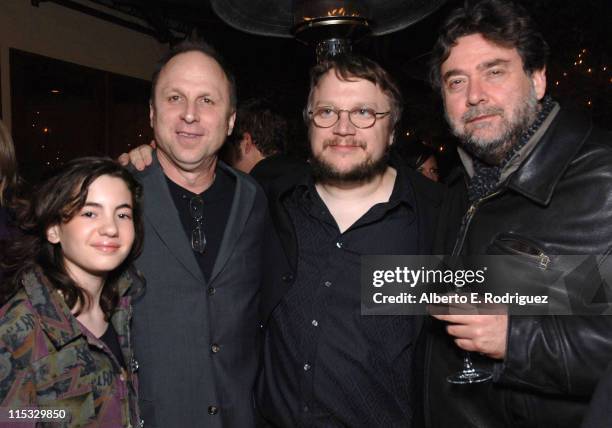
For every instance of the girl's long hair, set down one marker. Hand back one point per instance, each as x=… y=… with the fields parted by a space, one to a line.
x=53 y=202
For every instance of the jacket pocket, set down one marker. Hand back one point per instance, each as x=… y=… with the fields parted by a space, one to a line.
x=61 y=381
x=524 y=248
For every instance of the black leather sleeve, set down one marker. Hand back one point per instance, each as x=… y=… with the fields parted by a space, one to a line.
x=556 y=354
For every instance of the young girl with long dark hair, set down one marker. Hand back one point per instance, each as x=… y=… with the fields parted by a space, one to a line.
x=64 y=324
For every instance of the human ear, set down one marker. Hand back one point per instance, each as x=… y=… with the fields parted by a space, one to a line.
x=53 y=234
x=151 y=114
x=391 y=138
x=230 y=123
x=246 y=143
x=538 y=78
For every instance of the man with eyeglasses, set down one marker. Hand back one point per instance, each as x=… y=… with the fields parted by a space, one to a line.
x=196 y=331
x=326 y=365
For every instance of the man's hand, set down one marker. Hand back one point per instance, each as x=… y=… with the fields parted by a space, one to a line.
x=485 y=334
x=140 y=157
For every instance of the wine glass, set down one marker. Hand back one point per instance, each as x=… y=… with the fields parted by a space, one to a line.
x=469 y=374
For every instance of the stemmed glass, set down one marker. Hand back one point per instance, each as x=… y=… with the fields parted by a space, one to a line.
x=469 y=374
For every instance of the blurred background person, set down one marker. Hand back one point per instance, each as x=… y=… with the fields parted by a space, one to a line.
x=64 y=336
x=426 y=163
x=258 y=134
x=8 y=178
x=421 y=158
x=259 y=144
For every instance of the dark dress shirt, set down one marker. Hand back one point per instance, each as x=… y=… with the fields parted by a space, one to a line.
x=328 y=365
x=217 y=204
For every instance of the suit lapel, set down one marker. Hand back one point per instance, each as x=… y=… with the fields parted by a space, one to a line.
x=160 y=211
x=242 y=205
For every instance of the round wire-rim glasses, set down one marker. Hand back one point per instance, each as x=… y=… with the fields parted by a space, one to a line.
x=362 y=117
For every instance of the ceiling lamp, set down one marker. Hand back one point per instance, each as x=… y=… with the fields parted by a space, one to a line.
x=329 y=25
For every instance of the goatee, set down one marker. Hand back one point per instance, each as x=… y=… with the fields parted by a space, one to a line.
x=324 y=172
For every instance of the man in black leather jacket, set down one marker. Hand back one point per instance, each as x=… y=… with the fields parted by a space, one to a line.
x=537 y=180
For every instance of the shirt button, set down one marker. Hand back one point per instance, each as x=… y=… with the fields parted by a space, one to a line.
x=305 y=409
x=306 y=367
x=339 y=244
x=122 y=377
x=211 y=291
x=287 y=277
x=327 y=283
x=213 y=410
x=315 y=323
x=215 y=348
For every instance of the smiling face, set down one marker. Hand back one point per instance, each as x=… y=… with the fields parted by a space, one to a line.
x=99 y=237
x=191 y=114
x=489 y=99
x=344 y=152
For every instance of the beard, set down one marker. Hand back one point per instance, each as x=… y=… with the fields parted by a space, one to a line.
x=494 y=149
x=325 y=172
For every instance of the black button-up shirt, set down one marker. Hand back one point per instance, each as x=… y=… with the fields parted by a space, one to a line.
x=330 y=365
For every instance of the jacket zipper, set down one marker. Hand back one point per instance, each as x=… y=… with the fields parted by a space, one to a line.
x=543 y=259
x=467 y=219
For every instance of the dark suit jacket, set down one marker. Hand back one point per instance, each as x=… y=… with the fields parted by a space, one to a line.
x=197 y=341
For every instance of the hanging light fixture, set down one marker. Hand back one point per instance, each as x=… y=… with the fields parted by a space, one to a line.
x=331 y=26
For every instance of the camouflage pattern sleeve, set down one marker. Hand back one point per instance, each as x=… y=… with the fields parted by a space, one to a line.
x=16 y=386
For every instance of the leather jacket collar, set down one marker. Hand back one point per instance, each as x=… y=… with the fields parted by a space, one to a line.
x=537 y=178
x=542 y=169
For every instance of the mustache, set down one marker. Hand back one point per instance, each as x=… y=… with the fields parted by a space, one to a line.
x=475 y=112
x=339 y=142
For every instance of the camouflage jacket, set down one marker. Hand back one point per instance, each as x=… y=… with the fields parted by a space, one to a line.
x=48 y=360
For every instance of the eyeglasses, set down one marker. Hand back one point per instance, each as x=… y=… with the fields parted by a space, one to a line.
x=326 y=117
x=198 y=240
